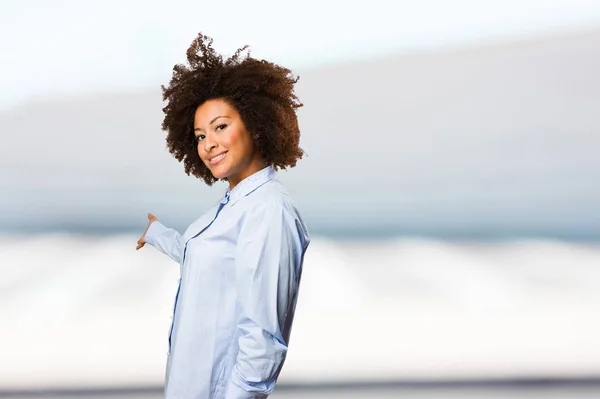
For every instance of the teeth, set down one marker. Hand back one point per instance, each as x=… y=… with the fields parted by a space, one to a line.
x=218 y=157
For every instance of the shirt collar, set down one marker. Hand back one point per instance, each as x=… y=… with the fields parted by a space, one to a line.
x=249 y=184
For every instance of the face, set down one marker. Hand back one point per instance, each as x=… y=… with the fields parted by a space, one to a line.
x=224 y=144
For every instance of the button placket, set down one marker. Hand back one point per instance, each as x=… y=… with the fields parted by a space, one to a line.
x=221 y=205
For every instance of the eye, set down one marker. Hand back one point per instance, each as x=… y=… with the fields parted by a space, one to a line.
x=220 y=127
x=199 y=137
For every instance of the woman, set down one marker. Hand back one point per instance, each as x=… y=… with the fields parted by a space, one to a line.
x=240 y=262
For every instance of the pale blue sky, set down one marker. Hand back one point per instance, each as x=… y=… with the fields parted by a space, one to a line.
x=70 y=47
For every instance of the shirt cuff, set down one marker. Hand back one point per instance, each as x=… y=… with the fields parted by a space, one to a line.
x=154 y=231
x=234 y=391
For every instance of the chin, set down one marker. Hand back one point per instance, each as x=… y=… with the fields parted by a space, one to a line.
x=219 y=173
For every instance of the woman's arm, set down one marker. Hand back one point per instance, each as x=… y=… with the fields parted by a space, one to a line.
x=269 y=258
x=165 y=239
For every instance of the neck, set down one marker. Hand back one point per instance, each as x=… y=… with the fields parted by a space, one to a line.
x=255 y=166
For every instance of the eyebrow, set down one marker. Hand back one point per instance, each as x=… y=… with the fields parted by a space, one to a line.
x=211 y=122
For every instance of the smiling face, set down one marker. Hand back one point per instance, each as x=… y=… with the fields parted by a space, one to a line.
x=224 y=144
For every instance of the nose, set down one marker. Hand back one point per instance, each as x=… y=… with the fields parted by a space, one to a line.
x=209 y=143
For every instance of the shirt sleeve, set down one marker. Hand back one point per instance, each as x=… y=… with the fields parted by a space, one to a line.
x=165 y=239
x=268 y=266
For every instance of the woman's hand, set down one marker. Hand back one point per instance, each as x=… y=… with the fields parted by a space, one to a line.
x=142 y=240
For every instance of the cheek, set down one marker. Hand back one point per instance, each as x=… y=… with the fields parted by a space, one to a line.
x=200 y=151
x=231 y=140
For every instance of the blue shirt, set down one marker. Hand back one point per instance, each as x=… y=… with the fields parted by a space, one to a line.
x=240 y=266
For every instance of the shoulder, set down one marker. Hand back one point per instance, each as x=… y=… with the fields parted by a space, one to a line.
x=271 y=204
x=270 y=196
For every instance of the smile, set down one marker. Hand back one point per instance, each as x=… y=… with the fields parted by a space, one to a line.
x=215 y=160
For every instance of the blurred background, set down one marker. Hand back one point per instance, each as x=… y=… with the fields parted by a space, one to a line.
x=450 y=187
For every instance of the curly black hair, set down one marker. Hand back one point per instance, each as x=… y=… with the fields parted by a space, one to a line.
x=262 y=93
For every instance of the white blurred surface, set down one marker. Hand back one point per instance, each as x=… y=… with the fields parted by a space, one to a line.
x=82 y=311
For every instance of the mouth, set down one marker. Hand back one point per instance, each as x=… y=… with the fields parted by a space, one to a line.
x=216 y=159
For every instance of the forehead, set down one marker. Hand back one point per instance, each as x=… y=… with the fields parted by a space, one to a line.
x=211 y=109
